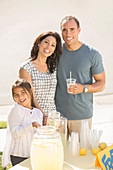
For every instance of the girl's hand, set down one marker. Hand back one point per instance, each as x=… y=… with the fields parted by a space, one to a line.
x=35 y=124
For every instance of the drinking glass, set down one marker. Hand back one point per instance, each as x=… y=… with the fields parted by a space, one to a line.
x=70 y=82
x=63 y=130
x=85 y=134
x=74 y=144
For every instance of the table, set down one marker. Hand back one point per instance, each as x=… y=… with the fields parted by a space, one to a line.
x=70 y=162
x=26 y=165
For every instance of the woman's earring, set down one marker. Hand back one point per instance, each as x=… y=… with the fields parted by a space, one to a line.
x=53 y=55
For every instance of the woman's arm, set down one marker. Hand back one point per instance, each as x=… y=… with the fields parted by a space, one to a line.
x=23 y=74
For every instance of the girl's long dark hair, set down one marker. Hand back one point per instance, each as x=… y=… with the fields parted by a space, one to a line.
x=54 y=58
x=25 y=85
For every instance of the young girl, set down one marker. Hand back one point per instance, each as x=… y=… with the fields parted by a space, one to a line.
x=22 y=119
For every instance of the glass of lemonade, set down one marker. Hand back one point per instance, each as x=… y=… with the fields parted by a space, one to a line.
x=70 y=82
x=47 y=150
x=63 y=130
x=60 y=123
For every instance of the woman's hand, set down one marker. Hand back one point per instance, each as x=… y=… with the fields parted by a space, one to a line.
x=35 y=124
x=45 y=120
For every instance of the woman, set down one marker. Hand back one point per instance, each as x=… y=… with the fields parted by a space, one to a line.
x=40 y=70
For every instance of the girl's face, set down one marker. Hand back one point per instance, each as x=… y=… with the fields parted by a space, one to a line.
x=22 y=97
x=47 y=46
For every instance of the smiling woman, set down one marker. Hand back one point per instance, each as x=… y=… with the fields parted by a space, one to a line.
x=40 y=70
x=46 y=48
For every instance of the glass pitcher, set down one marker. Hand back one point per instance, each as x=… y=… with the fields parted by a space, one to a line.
x=47 y=150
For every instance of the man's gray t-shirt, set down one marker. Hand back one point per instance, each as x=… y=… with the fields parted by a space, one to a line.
x=83 y=64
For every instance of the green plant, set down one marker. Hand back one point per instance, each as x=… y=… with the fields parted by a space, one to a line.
x=1 y=168
x=1 y=161
x=3 y=124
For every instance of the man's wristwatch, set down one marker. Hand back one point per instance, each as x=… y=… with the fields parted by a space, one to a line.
x=85 y=89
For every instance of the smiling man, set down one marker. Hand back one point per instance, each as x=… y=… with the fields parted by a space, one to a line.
x=85 y=64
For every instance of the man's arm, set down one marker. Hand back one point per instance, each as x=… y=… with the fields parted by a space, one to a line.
x=95 y=87
x=98 y=85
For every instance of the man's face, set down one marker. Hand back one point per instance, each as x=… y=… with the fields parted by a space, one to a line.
x=70 y=32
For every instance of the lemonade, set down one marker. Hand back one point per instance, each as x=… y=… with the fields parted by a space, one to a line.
x=47 y=149
x=48 y=156
x=63 y=138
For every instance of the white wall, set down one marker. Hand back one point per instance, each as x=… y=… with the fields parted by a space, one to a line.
x=21 y=21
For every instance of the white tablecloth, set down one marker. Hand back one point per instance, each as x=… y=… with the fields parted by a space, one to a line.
x=70 y=162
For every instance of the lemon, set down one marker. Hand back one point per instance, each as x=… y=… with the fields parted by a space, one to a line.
x=102 y=145
x=83 y=151
x=95 y=150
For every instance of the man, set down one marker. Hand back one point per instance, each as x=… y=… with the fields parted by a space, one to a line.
x=85 y=65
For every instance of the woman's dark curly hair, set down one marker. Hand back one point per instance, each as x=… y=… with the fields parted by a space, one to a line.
x=54 y=58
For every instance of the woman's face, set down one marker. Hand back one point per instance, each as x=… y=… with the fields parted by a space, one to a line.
x=22 y=97
x=47 y=46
